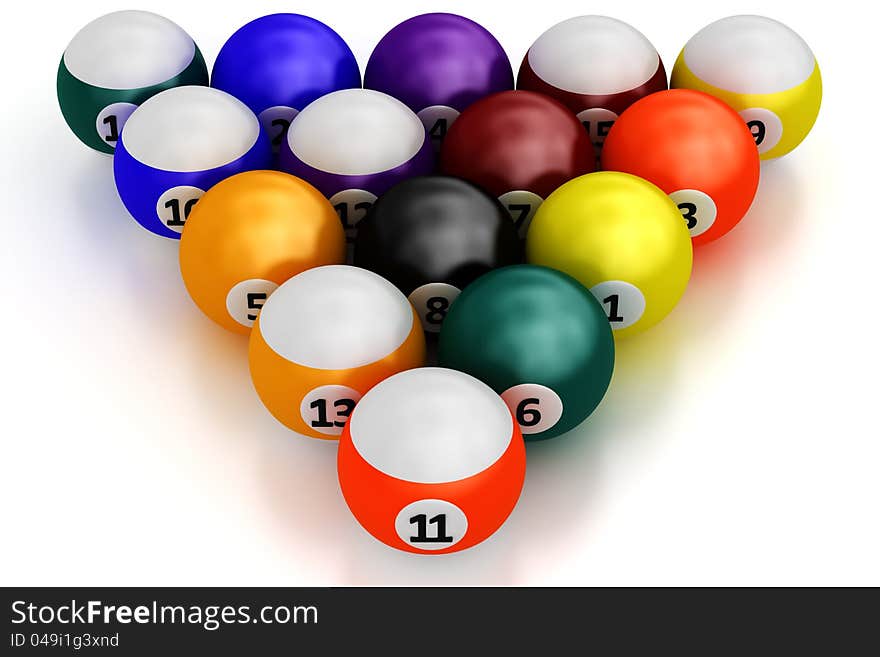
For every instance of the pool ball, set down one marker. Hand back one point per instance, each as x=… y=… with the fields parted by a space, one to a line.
x=696 y=149
x=620 y=236
x=595 y=65
x=178 y=144
x=539 y=339
x=114 y=64
x=762 y=69
x=353 y=145
x=438 y=64
x=431 y=461
x=519 y=146
x=431 y=236
x=278 y=64
x=250 y=233
x=323 y=339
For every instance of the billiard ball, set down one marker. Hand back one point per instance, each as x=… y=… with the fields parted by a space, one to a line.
x=323 y=339
x=620 y=236
x=762 y=69
x=438 y=64
x=696 y=149
x=538 y=338
x=431 y=236
x=278 y=64
x=353 y=145
x=519 y=146
x=114 y=64
x=431 y=461
x=250 y=233
x=178 y=144
x=597 y=66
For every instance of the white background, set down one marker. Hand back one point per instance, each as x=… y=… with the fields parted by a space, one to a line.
x=738 y=443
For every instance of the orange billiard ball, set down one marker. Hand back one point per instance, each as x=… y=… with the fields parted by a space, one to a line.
x=250 y=233
x=431 y=461
x=323 y=339
x=696 y=149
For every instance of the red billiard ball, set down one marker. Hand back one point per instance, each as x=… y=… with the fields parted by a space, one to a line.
x=431 y=461
x=519 y=146
x=696 y=149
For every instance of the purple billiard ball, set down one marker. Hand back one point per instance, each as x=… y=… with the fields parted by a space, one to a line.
x=438 y=64
x=353 y=145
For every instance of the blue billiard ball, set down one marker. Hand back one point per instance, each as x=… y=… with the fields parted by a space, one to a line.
x=177 y=145
x=278 y=64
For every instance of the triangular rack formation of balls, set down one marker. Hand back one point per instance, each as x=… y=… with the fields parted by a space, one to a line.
x=518 y=233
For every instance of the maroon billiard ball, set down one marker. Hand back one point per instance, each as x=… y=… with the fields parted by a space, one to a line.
x=518 y=146
x=595 y=65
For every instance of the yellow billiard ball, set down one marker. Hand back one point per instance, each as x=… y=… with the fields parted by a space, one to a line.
x=620 y=236
x=762 y=69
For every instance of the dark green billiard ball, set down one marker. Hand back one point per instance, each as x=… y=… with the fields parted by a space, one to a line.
x=114 y=64
x=537 y=337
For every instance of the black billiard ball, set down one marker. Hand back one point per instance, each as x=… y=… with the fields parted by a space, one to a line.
x=433 y=235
